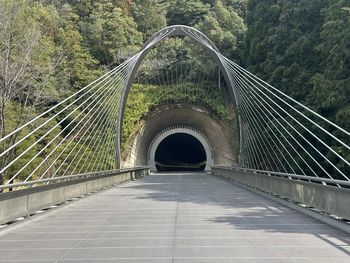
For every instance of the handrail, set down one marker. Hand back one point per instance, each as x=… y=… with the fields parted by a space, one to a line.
x=286 y=175
x=76 y=176
x=182 y=165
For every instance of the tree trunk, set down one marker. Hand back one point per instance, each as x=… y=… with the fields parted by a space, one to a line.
x=2 y=134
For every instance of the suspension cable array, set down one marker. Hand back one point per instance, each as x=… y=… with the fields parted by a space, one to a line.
x=280 y=134
x=78 y=135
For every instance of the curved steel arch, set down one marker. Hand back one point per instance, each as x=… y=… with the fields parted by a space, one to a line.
x=176 y=30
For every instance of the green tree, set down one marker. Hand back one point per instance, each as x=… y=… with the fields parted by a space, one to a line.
x=77 y=67
x=149 y=16
x=109 y=31
x=19 y=38
x=302 y=48
x=331 y=86
x=186 y=12
x=330 y=94
x=280 y=43
x=225 y=27
x=240 y=6
x=41 y=56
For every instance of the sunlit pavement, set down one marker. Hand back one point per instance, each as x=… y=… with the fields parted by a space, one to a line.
x=189 y=217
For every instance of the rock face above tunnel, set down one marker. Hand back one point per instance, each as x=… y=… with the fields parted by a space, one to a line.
x=223 y=138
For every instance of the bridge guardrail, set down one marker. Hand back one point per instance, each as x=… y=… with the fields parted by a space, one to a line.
x=313 y=192
x=58 y=190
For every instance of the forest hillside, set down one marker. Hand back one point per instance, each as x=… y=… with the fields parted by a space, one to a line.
x=50 y=49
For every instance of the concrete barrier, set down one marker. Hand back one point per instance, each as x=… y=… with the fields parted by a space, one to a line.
x=328 y=199
x=25 y=202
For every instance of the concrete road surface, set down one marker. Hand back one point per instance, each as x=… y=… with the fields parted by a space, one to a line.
x=178 y=218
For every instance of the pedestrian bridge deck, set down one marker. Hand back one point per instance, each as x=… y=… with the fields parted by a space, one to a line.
x=175 y=218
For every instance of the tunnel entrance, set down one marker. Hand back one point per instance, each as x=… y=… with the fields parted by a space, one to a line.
x=180 y=152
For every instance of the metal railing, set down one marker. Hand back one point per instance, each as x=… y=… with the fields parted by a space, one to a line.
x=327 y=196
x=311 y=179
x=42 y=194
x=91 y=175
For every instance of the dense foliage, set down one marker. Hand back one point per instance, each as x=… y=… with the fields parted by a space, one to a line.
x=302 y=47
x=50 y=49
x=146 y=98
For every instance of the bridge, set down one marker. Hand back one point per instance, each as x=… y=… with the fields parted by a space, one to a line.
x=270 y=184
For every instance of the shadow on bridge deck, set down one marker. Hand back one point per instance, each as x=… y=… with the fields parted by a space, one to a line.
x=187 y=217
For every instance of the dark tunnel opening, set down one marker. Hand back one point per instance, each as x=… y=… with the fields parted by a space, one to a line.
x=180 y=152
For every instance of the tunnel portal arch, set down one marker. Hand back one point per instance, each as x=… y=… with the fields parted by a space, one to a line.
x=179 y=130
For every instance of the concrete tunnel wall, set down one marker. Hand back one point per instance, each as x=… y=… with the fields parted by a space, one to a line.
x=222 y=138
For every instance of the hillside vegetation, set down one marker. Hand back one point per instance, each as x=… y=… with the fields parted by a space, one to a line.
x=49 y=49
